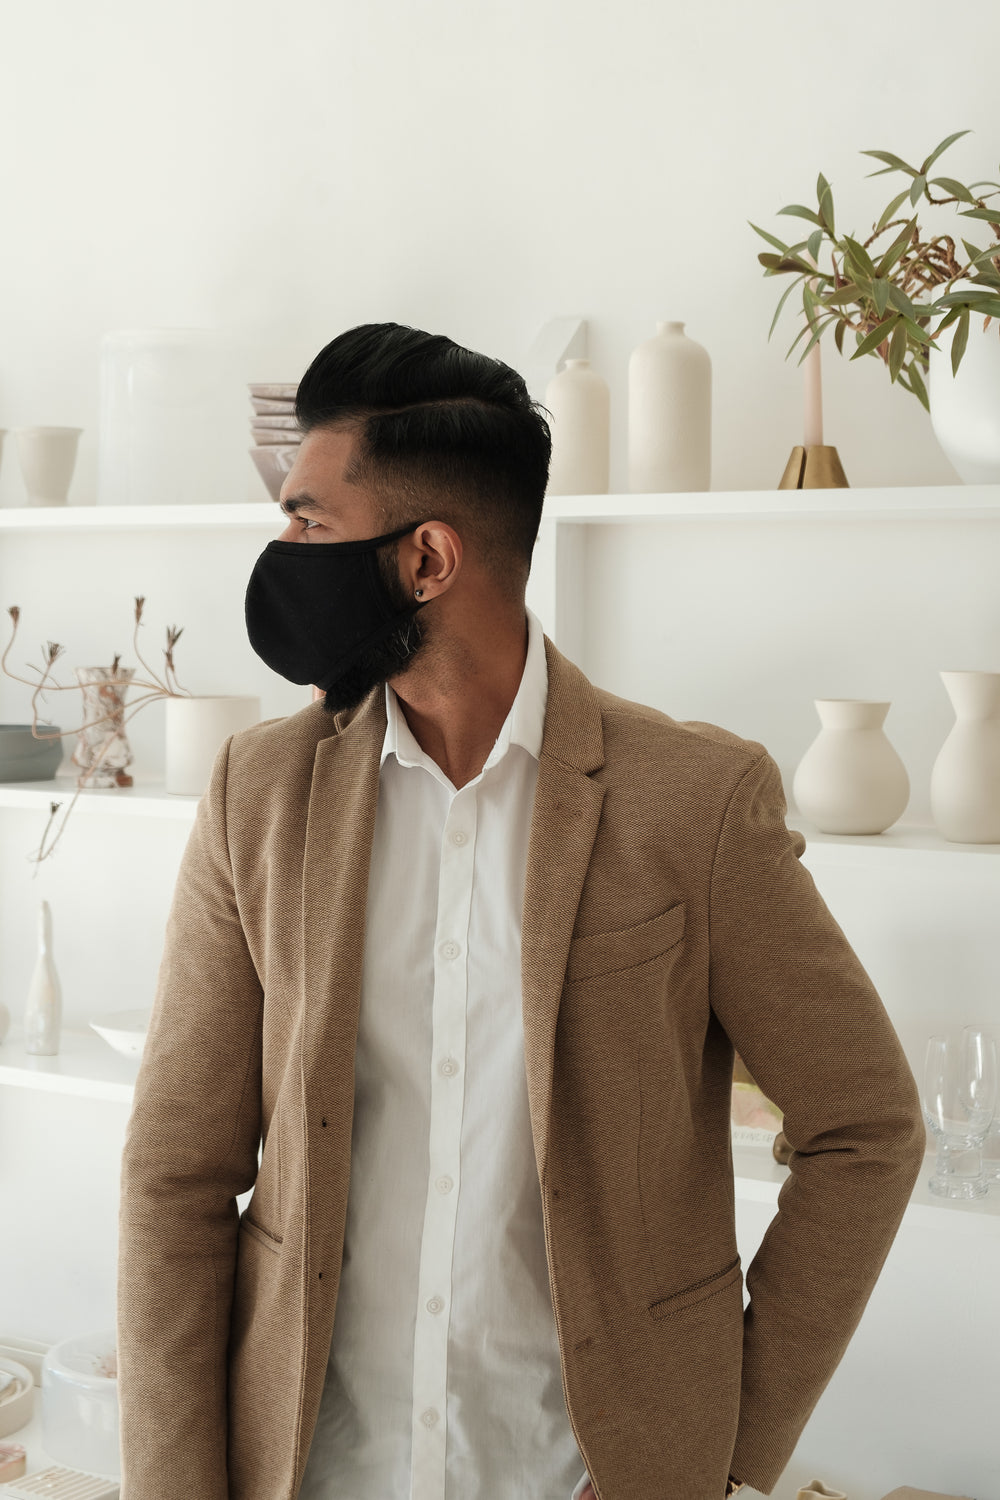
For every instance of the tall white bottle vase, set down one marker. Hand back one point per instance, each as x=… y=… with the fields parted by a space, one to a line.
x=580 y=405
x=669 y=414
x=851 y=780
x=43 y=1015
x=965 y=781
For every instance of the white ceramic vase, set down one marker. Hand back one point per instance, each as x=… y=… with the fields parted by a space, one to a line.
x=851 y=780
x=48 y=458
x=965 y=781
x=580 y=406
x=196 y=728
x=43 y=1014
x=669 y=414
x=965 y=408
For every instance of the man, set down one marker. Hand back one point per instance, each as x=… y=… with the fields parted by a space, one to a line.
x=463 y=953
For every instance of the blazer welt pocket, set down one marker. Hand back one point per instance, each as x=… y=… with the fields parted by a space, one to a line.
x=261 y=1235
x=699 y=1291
x=627 y=948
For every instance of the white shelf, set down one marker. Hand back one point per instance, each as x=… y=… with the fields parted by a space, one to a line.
x=759 y=1178
x=85 y=1066
x=905 y=846
x=146 y=799
x=904 y=503
x=978 y=502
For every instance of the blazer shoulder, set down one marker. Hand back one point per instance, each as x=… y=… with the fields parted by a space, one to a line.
x=636 y=727
x=281 y=743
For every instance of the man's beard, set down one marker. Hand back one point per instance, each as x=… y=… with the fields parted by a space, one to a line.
x=388 y=657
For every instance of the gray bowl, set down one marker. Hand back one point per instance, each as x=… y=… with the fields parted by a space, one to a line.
x=23 y=758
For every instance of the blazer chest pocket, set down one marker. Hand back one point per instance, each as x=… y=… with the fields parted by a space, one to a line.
x=627 y=948
x=701 y=1291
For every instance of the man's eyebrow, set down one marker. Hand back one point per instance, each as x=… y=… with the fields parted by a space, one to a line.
x=294 y=503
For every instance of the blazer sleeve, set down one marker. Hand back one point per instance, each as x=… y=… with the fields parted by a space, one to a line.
x=191 y=1147
x=801 y=1011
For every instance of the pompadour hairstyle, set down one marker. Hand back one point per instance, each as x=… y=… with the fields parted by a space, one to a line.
x=441 y=431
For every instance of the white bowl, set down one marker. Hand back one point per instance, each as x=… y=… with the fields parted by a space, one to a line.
x=125 y=1030
x=16 y=1411
x=273 y=406
x=273 y=463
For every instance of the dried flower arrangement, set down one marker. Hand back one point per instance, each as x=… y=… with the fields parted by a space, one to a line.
x=92 y=750
x=889 y=299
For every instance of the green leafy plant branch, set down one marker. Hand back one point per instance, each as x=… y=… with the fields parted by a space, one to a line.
x=889 y=299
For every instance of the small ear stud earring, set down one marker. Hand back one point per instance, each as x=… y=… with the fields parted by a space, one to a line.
x=418 y=593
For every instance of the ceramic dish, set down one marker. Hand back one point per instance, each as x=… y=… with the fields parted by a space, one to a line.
x=125 y=1030
x=23 y=758
x=274 y=392
x=284 y=423
x=267 y=437
x=18 y=1397
x=273 y=463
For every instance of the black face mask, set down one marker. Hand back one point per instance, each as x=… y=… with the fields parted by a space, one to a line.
x=314 y=610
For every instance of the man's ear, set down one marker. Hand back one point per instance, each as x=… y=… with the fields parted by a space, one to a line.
x=430 y=560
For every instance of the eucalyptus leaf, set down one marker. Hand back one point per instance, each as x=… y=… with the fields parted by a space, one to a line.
x=956 y=189
x=939 y=150
x=895 y=164
x=771 y=239
x=901 y=302
x=990 y=215
x=880 y=295
x=848 y=293
x=838 y=336
x=897 y=351
x=789 y=289
x=889 y=211
x=799 y=211
x=817 y=335
x=877 y=336
x=917 y=189
x=917 y=386
x=895 y=250
x=824 y=196
x=860 y=255
x=959 y=342
x=815 y=243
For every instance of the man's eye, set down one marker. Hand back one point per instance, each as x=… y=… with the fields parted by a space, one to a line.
x=307 y=524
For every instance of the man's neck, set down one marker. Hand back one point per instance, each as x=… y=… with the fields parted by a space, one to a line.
x=455 y=700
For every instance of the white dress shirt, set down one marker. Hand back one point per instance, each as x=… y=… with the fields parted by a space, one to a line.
x=444 y=1380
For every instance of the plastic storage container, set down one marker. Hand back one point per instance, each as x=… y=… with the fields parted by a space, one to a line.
x=80 y=1403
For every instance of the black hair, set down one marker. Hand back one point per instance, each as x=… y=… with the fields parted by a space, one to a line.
x=439 y=427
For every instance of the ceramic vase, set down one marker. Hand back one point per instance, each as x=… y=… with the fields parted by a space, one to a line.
x=817 y=1490
x=851 y=780
x=965 y=781
x=669 y=414
x=43 y=1015
x=965 y=408
x=48 y=457
x=580 y=406
x=196 y=728
x=102 y=751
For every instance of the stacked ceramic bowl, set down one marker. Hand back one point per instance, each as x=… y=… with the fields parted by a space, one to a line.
x=275 y=433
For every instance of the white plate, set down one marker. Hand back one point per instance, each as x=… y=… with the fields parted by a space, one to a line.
x=268 y=407
x=125 y=1030
x=274 y=392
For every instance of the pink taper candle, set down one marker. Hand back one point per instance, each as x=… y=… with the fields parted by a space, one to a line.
x=813 y=373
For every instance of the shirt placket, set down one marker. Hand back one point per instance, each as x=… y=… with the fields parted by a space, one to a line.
x=448 y=1054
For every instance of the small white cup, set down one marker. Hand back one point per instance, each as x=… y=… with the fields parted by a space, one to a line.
x=48 y=457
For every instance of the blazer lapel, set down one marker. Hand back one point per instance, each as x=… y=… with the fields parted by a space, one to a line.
x=564 y=825
x=339 y=833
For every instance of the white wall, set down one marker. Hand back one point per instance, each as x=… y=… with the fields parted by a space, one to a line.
x=289 y=171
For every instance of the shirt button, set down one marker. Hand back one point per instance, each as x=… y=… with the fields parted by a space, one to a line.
x=444 y=1184
x=450 y=950
x=448 y=1066
x=460 y=838
x=435 y=1304
x=429 y=1417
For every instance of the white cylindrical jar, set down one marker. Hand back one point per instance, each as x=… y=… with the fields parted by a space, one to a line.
x=669 y=414
x=196 y=728
x=965 y=781
x=580 y=406
x=965 y=408
x=851 y=780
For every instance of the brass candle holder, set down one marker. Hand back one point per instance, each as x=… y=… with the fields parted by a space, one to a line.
x=816 y=468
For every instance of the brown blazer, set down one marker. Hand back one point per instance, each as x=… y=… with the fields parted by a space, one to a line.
x=666 y=919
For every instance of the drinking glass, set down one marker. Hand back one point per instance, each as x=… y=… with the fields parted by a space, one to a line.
x=991 y=1141
x=959 y=1099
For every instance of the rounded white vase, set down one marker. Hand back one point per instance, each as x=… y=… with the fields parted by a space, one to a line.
x=965 y=408
x=669 y=414
x=196 y=729
x=965 y=781
x=851 y=780
x=48 y=458
x=579 y=403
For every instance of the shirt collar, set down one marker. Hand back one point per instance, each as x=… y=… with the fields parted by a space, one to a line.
x=523 y=725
